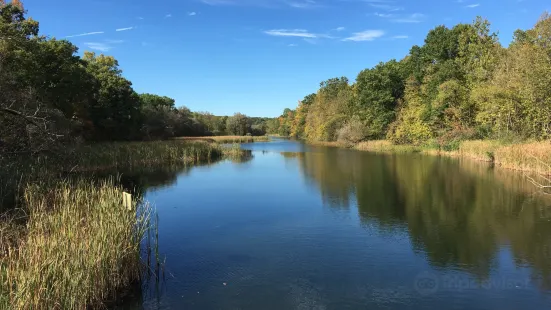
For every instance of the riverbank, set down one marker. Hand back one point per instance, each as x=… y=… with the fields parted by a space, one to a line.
x=227 y=139
x=533 y=157
x=68 y=242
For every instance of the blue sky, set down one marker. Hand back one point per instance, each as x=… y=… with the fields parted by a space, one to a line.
x=259 y=56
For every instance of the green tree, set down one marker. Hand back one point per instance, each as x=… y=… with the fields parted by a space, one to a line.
x=115 y=112
x=238 y=125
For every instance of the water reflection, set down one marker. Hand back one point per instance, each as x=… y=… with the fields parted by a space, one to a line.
x=458 y=213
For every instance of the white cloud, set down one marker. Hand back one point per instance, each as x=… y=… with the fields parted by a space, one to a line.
x=401 y=37
x=168 y=15
x=139 y=17
x=339 y=29
x=191 y=13
x=85 y=34
x=304 y=4
x=383 y=15
x=386 y=6
x=299 y=4
x=367 y=35
x=472 y=6
x=218 y=2
x=102 y=47
x=413 y=18
x=291 y=33
x=292 y=45
x=124 y=29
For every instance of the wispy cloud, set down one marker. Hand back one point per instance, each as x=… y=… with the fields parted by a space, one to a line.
x=301 y=33
x=383 y=15
x=339 y=29
x=413 y=18
x=292 y=45
x=99 y=46
x=304 y=4
x=139 y=17
x=401 y=37
x=367 y=35
x=124 y=29
x=472 y=6
x=168 y=15
x=299 y=4
x=191 y=13
x=85 y=34
x=218 y=2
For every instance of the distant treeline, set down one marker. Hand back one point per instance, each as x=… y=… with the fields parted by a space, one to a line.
x=461 y=84
x=50 y=96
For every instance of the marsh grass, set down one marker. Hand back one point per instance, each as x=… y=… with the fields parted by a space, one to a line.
x=68 y=243
x=130 y=154
x=228 y=139
x=80 y=246
x=385 y=146
x=533 y=157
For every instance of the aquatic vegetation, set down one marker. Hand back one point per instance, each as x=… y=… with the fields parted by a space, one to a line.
x=385 y=146
x=79 y=247
x=228 y=139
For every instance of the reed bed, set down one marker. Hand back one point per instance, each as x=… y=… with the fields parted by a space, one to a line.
x=530 y=157
x=482 y=150
x=385 y=146
x=72 y=244
x=80 y=247
x=228 y=139
x=130 y=154
x=533 y=157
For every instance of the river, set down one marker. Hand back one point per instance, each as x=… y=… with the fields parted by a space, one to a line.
x=302 y=227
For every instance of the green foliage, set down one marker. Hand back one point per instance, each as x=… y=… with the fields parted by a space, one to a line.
x=51 y=97
x=460 y=84
x=238 y=125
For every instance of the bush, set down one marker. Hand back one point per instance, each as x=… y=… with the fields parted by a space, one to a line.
x=351 y=133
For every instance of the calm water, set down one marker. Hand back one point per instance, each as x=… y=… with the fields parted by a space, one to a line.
x=300 y=227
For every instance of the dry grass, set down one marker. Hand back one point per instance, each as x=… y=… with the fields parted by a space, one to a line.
x=483 y=150
x=79 y=248
x=530 y=157
x=385 y=146
x=73 y=245
x=228 y=139
x=326 y=143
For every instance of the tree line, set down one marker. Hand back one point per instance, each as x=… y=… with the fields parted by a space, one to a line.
x=50 y=96
x=461 y=84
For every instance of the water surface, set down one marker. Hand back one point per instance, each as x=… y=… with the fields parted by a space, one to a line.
x=300 y=227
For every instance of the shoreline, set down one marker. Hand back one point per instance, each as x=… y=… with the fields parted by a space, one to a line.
x=528 y=157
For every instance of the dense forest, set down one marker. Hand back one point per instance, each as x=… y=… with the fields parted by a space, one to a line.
x=461 y=84
x=50 y=96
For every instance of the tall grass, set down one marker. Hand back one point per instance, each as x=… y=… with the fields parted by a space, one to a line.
x=385 y=146
x=129 y=154
x=533 y=157
x=79 y=248
x=228 y=139
x=71 y=244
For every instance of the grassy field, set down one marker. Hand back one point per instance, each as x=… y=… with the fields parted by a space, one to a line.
x=228 y=139
x=72 y=244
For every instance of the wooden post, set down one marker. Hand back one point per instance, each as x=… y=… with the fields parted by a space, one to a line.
x=127 y=200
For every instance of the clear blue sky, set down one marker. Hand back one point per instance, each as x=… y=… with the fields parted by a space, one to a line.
x=259 y=56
